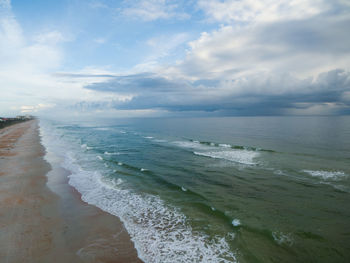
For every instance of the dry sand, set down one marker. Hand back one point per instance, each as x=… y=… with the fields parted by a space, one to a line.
x=42 y=218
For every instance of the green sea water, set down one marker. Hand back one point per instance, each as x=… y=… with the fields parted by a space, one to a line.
x=233 y=189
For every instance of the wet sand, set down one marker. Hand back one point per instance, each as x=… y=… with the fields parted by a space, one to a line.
x=42 y=218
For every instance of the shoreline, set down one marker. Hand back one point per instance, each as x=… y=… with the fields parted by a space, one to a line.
x=42 y=217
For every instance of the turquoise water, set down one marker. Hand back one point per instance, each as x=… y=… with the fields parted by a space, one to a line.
x=242 y=189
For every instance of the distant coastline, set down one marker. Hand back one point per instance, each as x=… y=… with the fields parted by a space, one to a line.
x=7 y=121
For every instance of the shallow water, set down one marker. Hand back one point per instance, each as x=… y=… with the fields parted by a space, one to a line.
x=245 y=189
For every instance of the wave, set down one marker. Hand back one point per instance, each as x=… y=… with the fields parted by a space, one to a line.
x=236 y=222
x=159 y=140
x=102 y=129
x=160 y=232
x=282 y=238
x=238 y=156
x=112 y=153
x=86 y=147
x=233 y=153
x=327 y=175
x=226 y=145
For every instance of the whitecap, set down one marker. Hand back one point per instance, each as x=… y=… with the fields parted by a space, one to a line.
x=327 y=175
x=159 y=140
x=192 y=145
x=111 y=153
x=102 y=129
x=225 y=145
x=236 y=222
x=238 y=156
x=281 y=238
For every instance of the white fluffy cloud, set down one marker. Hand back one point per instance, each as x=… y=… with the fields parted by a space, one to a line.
x=251 y=11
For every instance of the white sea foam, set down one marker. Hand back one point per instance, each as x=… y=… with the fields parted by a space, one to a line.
x=148 y=137
x=327 y=175
x=99 y=157
x=279 y=172
x=238 y=156
x=120 y=163
x=192 y=145
x=119 y=181
x=233 y=155
x=236 y=222
x=160 y=232
x=143 y=169
x=282 y=238
x=225 y=145
x=102 y=129
x=159 y=140
x=183 y=189
x=84 y=146
x=111 y=153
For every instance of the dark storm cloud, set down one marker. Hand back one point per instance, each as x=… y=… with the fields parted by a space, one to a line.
x=154 y=92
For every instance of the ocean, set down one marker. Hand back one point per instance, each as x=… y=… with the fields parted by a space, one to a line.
x=230 y=189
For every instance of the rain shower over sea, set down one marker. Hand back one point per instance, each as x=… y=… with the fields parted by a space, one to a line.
x=230 y=189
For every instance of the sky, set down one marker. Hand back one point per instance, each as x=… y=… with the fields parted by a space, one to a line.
x=152 y=58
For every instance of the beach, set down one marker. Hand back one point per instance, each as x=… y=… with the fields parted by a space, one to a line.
x=42 y=218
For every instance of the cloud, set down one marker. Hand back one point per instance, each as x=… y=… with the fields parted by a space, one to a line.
x=150 y=10
x=35 y=108
x=51 y=37
x=270 y=58
x=262 y=58
x=257 y=11
x=26 y=64
x=100 y=40
x=304 y=48
x=149 y=91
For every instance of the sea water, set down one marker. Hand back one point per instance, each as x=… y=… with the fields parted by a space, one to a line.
x=231 y=189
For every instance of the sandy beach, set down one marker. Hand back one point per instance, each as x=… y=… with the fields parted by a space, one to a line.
x=42 y=218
